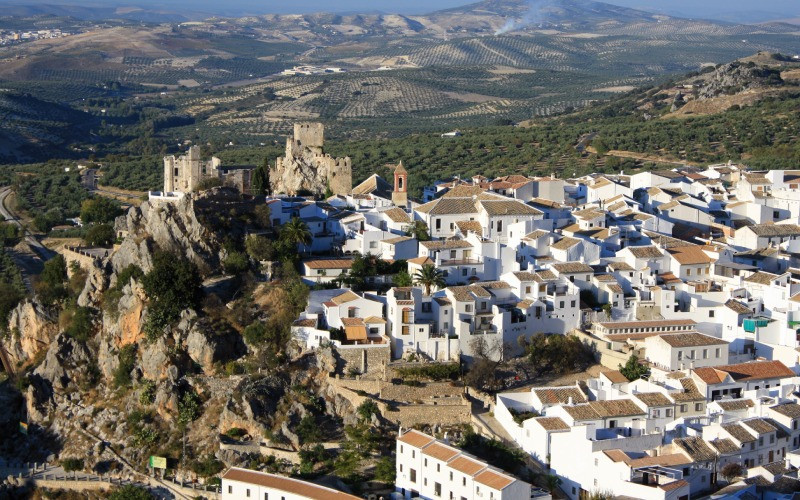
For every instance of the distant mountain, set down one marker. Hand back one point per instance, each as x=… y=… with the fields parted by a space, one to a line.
x=100 y=13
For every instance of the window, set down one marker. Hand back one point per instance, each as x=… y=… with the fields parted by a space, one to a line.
x=761 y=441
x=438 y=468
x=572 y=303
x=561 y=304
x=464 y=271
x=426 y=462
x=499 y=226
x=468 y=308
x=413 y=454
x=452 y=254
x=680 y=355
x=684 y=408
x=426 y=307
x=705 y=353
x=412 y=474
x=438 y=224
x=668 y=412
x=716 y=352
x=230 y=489
x=464 y=481
x=266 y=496
x=698 y=407
x=527 y=289
x=406 y=330
x=711 y=313
x=451 y=475
x=688 y=272
x=248 y=493
x=656 y=413
x=483 y=306
x=437 y=489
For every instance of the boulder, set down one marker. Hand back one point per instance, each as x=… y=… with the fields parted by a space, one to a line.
x=155 y=359
x=66 y=360
x=206 y=346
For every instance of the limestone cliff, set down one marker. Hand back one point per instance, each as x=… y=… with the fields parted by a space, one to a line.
x=31 y=330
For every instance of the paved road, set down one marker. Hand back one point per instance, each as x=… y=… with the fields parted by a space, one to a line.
x=42 y=251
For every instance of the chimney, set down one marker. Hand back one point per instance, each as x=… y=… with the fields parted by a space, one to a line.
x=569 y=401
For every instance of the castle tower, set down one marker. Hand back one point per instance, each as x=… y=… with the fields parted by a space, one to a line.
x=400 y=193
x=309 y=135
x=169 y=174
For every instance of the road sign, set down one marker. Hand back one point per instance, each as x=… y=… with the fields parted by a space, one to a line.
x=158 y=462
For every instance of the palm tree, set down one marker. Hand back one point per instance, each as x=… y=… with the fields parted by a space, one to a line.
x=429 y=277
x=552 y=482
x=296 y=232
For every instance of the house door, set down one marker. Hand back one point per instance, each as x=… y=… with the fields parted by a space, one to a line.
x=771 y=456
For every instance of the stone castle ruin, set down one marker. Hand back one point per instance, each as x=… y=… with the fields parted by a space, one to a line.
x=184 y=173
x=306 y=168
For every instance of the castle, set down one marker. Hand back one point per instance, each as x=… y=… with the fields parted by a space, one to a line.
x=306 y=168
x=184 y=173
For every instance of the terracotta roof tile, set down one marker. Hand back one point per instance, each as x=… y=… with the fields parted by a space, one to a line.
x=494 y=479
x=552 y=423
x=416 y=438
x=560 y=395
x=691 y=339
x=616 y=377
x=653 y=399
x=299 y=488
x=397 y=214
x=738 y=433
x=440 y=451
x=466 y=465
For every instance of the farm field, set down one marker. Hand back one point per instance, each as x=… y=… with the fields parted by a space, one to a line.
x=128 y=88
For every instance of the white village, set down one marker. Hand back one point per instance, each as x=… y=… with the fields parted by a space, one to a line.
x=683 y=283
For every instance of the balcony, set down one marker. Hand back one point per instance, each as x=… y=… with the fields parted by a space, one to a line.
x=484 y=329
x=461 y=262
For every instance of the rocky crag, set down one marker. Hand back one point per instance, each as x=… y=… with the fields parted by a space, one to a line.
x=138 y=394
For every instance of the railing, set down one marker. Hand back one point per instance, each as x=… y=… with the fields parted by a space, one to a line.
x=456 y=262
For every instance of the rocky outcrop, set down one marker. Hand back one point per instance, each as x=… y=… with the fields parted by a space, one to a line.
x=207 y=346
x=96 y=284
x=254 y=404
x=186 y=228
x=738 y=77
x=66 y=360
x=172 y=227
x=31 y=329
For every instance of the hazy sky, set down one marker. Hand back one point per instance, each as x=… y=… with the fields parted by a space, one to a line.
x=708 y=8
x=747 y=10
